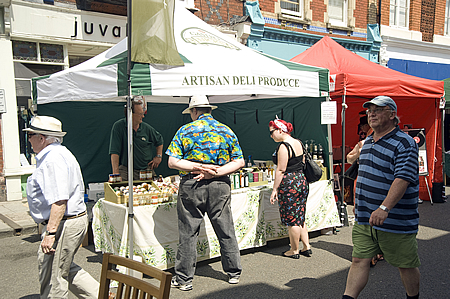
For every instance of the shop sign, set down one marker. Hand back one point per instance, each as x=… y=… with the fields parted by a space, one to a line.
x=2 y=101
x=98 y=29
x=91 y=28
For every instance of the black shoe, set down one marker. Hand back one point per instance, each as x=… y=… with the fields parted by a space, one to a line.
x=306 y=252
x=294 y=256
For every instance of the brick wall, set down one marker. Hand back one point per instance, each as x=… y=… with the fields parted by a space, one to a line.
x=267 y=5
x=318 y=10
x=217 y=12
x=415 y=14
x=427 y=20
x=385 y=6
x=360 y=13
x=439 y=17
x=372 y=11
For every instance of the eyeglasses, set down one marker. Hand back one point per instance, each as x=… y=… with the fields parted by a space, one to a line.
x=31 y=135
x=376 y=110
x=271 y=132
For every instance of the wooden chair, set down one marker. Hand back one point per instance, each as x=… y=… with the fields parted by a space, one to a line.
x=129 y=286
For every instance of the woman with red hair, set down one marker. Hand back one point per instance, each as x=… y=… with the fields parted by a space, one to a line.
x=290 y=187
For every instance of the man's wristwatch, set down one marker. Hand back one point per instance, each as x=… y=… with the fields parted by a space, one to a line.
x=158 y=156
x=47 y=233
x=384 y=208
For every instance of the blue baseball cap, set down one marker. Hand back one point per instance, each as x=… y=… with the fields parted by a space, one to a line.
x=382 y=101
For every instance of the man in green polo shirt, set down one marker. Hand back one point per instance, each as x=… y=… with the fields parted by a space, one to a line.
x=145 y=140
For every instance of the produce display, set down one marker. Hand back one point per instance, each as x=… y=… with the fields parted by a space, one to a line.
x=145 y=193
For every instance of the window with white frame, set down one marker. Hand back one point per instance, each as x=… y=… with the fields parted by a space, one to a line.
x=292 y=7
x=447 y=18
x=337 y=12
x=399 y=13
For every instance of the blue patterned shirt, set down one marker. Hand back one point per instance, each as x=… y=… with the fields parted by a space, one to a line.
x=205 y=140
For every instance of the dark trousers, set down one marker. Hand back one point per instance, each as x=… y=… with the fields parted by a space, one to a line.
x=194 y=199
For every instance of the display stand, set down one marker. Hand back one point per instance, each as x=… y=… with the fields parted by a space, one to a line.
x=256 y=221
x=419 y=136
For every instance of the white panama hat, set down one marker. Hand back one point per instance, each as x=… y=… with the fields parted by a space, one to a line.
x=198 y=101
x=46 y=125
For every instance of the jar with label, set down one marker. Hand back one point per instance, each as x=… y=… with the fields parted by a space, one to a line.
x=142 y=175
x=237 y=181
x=149 y=173
x=231 y=176
x=256 y=176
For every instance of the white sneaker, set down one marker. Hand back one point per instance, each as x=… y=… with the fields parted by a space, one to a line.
x=233 y=280
x=183 y=287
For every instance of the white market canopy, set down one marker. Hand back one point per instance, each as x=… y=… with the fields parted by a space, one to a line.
x=215 y=65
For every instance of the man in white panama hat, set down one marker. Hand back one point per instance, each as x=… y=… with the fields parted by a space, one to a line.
x=205 y=151
x=55 y=193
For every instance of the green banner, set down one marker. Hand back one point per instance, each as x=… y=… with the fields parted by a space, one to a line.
x=152 y=35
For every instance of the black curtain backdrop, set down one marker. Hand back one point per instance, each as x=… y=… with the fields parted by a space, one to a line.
x=88 y=126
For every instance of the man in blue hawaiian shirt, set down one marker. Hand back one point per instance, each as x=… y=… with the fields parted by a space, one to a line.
x=205 y=151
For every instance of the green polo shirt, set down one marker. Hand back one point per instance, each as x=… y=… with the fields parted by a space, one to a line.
x=145 y=140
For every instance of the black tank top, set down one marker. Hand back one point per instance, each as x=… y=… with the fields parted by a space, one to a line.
x=294 y=163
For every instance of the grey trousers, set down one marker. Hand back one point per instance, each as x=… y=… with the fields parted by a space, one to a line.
x=194 y=199
x=58 y=273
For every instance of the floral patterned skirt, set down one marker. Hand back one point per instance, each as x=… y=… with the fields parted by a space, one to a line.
x=292 y=194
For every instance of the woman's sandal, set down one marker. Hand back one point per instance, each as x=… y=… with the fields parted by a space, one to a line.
x=373 y=261
x=294 y=256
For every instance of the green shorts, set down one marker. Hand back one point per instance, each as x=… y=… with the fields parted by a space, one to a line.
x=399 y=250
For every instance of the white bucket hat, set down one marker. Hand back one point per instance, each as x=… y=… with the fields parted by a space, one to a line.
x=46 y=125
x=198 y=101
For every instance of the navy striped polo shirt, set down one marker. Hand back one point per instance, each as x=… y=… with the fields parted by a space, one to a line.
x=394 y=155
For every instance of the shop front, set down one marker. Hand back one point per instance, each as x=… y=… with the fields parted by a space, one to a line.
x=38 y=40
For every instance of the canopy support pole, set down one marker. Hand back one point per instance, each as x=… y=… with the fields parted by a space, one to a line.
x=330 y=148
x=129 y=135
x=343 y=206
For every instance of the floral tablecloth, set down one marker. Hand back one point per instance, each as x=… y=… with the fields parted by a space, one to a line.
x=156 y=234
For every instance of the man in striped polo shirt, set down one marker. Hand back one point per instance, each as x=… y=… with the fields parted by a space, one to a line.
x=386 y=201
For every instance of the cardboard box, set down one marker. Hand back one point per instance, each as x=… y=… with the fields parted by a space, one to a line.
x=260 y=183
x=110 y=194
x=96 y=191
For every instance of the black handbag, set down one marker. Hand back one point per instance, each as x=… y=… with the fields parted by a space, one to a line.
x=312 y=171
x=352 y=171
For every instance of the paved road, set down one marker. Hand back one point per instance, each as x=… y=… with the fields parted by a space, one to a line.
x=266 y=273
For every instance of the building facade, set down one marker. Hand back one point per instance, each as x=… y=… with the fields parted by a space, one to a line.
x=38 y=38
x=286 y=28
x=416 y=37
